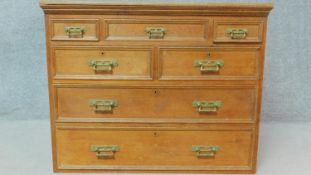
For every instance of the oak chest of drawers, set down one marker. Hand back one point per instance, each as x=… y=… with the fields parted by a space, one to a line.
x=166 y=87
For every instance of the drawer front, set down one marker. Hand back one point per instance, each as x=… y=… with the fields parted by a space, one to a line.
x=208 y=63
x=102 y=63
x=157 y=105
x=159 y=149
x=75 y=30
x=156 y=30
x=238 y=30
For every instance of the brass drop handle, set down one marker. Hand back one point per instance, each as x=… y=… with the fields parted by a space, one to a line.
x=155 y=32
x=237 y=33
x=103 y=66
x=207 y=106
x=75 y=32
x=105 y=151
x=207 y=66
x=103 y=105
x=205 y=151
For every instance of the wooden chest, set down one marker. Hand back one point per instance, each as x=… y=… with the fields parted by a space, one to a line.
x=166 y=87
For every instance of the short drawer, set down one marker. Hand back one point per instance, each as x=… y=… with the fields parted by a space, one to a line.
x=102 y=63
x=74 y=29
x=156 y=30
x=226 y=105
x=208 y=63
x=238 y=30
x=158 y=149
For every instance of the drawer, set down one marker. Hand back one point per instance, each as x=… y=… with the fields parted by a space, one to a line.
x=74 y=29
x=208 y=63
x=156 y=30
x=158 y=149
x=235 y=104
x=102 y=63
x=238 y=30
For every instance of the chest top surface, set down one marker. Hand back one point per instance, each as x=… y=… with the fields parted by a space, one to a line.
x=202 y=7
x=179 y=2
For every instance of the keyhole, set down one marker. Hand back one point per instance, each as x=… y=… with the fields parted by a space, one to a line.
x=102 y=53
x=155 y=134
x=209 y=54
x=156 y=92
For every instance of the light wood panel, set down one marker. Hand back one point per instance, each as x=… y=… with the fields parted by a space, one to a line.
x=91 y=29
x=238 y=104
x=179 y=63
x=180 y=30
x=254 y=28
x=74 y=63
x=145 y=150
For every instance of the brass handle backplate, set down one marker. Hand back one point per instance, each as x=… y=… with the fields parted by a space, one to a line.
x=207 y=106
x=205 y=151
x=75 y=32
x=209 y=65
x=237 y=33
x=155 y=32
x=105 y=151
x=103 y=105
x=103 y=66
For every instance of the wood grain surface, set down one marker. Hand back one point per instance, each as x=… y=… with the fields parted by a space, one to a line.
x=155 y=83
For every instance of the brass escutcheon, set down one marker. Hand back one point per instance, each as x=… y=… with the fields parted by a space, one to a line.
x=103 y=66
x=207 y=66
x=237 y=33
x=75 y=32
x=207 y=106
x=105 y=151
x=155 y=32
x=103 y=105
x=205 y=151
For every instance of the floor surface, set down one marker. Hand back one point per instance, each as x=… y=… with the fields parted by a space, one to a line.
x=285 y=148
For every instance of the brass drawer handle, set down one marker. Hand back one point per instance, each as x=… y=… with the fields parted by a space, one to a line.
x=207 y=106
x=103 y=105
x=105 y=151
x=103 y=66
x=237 y=33
x=75 y=32
x=205 y=151
x=155 y=32
x=209 y=65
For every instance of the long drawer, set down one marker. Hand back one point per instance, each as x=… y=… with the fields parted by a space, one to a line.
x=205 y=104
x=158 y=149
